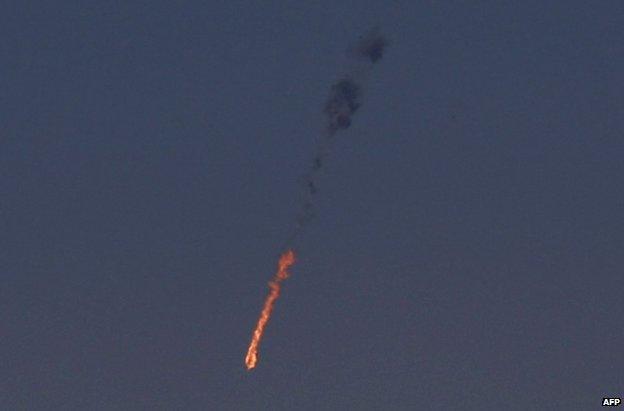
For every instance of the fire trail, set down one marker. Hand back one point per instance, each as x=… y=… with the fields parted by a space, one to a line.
x=286 y=260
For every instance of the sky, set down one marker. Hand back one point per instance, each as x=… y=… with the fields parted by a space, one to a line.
x=467 y=249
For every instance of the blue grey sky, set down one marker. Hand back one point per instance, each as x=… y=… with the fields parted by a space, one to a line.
x=467 y=250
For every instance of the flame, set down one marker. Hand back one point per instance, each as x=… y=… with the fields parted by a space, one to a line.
x=286 y=260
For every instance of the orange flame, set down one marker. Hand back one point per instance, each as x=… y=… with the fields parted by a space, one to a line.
x=286 y=260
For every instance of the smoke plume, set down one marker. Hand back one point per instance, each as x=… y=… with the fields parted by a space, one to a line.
x=344 y=99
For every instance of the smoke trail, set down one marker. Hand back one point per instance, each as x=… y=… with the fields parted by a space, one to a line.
x=345 y=98
x=286 y=260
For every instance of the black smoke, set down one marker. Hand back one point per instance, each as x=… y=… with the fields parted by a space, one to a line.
x=344 y=100
x=371 y=46
x=346 y=93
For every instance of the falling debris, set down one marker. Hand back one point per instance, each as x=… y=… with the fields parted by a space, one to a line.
x=345 y=98
x=286 y=260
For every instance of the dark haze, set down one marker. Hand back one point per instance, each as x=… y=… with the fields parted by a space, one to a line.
x=345 y=98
